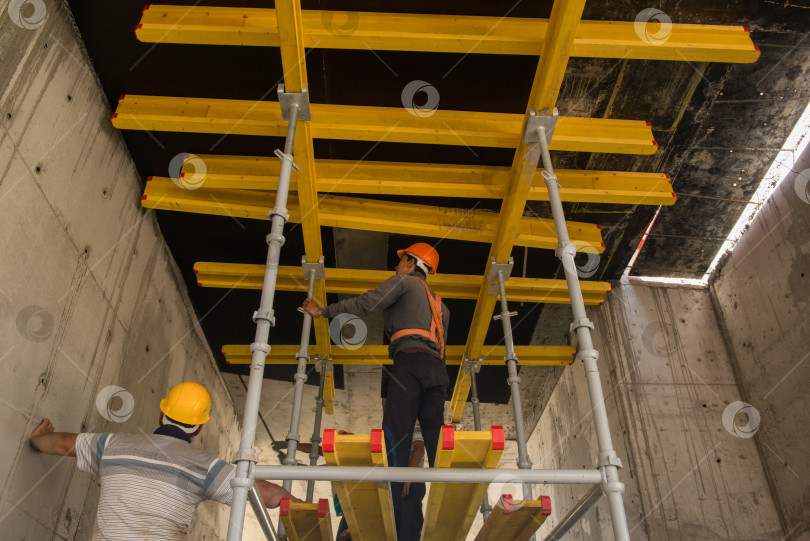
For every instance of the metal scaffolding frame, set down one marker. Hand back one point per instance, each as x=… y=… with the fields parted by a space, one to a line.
x=558 y=38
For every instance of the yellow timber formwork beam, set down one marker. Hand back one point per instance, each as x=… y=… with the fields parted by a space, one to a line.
x=446 y=33
x=378 y=355
x=389 y=124
x=451 y=507
x=565 y=17
x=358 y=281
x=291 y=43
x=369 y=215
x=429 y=180
x=306 y=521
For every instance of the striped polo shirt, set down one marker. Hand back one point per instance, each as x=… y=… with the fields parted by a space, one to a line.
x=150 y=483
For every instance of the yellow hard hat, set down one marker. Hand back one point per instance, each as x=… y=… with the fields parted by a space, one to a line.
x=188 y=403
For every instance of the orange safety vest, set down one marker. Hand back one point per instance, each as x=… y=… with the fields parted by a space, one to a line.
x=436 y=333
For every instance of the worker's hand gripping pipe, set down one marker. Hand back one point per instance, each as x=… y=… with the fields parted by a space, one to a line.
x=608 y=463
x=246 y=457
x=300 y=378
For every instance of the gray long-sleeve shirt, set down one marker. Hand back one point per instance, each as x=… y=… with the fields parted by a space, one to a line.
x=403 y=302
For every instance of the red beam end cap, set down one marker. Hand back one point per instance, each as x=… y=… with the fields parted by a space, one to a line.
x=448 y=438
x=284 y=508
x=328 y=440
x=498 y=439
x=323 y=508
x=377 y=440
x=546 y=502
x=506 y=502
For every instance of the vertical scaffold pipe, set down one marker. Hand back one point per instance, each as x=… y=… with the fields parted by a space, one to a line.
x=486 y=509
x=315 y=441
x=608 y=462
x=300 y=378
x=246 y=457
x=511 y=359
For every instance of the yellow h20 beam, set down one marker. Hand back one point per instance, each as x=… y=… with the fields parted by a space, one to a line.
x=369 y=215
x=430 y=180
x=390 y=124
x=565 y=17
x=358 y=281
x=445 y=33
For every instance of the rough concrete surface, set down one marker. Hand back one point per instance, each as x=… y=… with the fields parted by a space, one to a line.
x=762 y=294
x=90 y=296
x=667 y=379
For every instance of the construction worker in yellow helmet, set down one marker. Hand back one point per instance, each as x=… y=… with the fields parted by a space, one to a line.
x=416 y=322
x=152 y=483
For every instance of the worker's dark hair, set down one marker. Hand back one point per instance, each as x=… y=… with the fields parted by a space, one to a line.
x=416 y=268
x=178 y=422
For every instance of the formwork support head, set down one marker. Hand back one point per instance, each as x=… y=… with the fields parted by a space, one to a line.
x=286 y=100
x=545 y=119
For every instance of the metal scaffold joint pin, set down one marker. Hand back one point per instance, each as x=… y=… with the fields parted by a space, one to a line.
x=566 y=249
x=283 y=156
x=609 y=458
x=260 y=346
x=266 y=314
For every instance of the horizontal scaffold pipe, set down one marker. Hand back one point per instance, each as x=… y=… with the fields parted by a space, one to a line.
x=427 y=475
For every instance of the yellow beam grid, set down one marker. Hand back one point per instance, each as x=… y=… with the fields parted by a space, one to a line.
x=378 y=355
x=390 y=124
x=306 y=521
x=451 y=507
x=295 y=80
x=358 y=281
x=646 y=40
x=366 y=506
x=515 y=520
x=428 y=180
x=370 y=215
x=565 y=18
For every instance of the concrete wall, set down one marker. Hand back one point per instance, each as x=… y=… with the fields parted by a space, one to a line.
x=667 y=379
x=763 y=296
x=90 y=296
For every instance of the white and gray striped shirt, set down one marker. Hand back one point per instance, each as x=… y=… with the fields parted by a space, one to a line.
x=150 y=484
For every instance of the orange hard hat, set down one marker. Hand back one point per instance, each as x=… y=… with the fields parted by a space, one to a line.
x=188 y=403
x=423 y=251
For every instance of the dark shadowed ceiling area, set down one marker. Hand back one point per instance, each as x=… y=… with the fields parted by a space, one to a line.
x=718 y=127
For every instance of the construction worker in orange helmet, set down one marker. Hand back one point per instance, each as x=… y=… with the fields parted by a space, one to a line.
x=416 y=322
x=152 y=483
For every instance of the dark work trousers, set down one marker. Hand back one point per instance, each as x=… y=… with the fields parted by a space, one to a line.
x=410 y=514
x=417 y=390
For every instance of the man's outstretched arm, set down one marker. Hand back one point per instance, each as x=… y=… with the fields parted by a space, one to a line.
x=272 y=493
x=44 y=440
